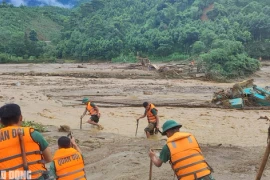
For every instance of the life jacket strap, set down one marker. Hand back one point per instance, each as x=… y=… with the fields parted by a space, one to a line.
x=189 y=165
x=39 y=171
x=19 y=155
x=37 y=162
x=193 y=173
x=80 y=177
x=187 y=157
x=72 y=172
x=211 y=169
x=13 y=168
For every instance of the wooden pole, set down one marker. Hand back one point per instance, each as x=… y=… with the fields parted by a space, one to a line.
x=265 y=157
x=137 y=128
x=81 y=124
x=150 y=171
x=151 y=163
x=25 y=164
x=264 y=161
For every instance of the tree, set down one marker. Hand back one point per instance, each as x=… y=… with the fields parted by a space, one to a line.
x=198 y=47
x=33 y=35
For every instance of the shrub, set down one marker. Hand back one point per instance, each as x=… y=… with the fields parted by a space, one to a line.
x=37 y=126
x=130 y=58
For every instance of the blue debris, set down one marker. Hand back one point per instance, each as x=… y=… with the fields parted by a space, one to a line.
x=250 y=95
x=237 y=103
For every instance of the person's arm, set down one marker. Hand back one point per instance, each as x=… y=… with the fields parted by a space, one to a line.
x=44 y=146
x=164 y=156
x=84 y=113
x=97 y=110
x=47 y=155
x=154 y=112
x=157 y=162
x=142 y=116
x=75 y=146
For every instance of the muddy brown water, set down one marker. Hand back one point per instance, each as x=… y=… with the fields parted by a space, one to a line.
x=233 y=141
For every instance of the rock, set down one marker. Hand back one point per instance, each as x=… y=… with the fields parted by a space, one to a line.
x=200 y=75
x=153 y=67
x=80 y=66
x=164 y=69
x=147 y=93
x=64 y=128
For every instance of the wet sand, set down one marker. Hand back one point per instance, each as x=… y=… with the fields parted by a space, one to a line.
x=233 y=141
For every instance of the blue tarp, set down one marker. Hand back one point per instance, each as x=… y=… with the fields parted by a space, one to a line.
x=260 y=95
x=236 y=103
x=261 y=100
x=262 y=91
x=247 y=90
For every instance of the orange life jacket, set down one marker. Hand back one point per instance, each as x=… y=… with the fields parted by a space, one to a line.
x=150 y=116
x=187 y=160
x=91 y=109
x=69 y=164
x=11 y=155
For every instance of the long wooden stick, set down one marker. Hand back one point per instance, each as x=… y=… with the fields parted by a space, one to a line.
x=137 y=128
x=150 y=171
x=81 y=124
x=25 y=165
x=264 y=161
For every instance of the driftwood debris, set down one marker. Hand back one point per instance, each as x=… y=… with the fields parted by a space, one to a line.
x=188 y=68
x=143 y=61
x=81 y=66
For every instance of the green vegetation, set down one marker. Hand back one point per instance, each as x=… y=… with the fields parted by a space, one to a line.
x=227 y=35
x=26 y=33
x=37 y=126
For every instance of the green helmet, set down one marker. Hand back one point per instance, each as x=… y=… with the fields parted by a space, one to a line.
x=168 y=125
x=85 y=100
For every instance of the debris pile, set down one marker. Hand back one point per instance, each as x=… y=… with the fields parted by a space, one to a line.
x=189 y=68
x=244 y=93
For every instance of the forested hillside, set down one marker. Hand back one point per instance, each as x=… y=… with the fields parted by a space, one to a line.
x=227 y=35
x=25 y=33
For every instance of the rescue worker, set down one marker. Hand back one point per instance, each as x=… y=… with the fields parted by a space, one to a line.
x=184 y=154
x=153 y=119
x=93 y=111
x=37 y=151
x=67 y=161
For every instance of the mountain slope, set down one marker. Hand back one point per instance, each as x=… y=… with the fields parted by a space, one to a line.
x=223 y=34
x=23 y=29
x=162 y=27
x=109 y=29
x=45 y=21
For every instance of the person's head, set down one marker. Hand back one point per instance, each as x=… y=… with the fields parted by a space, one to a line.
x=85 y=100
x=64 y=142
x=145 y=105
x=170 y=127
x=10 y=114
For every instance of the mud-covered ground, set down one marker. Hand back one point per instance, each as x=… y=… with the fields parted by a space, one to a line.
x=233 y=141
